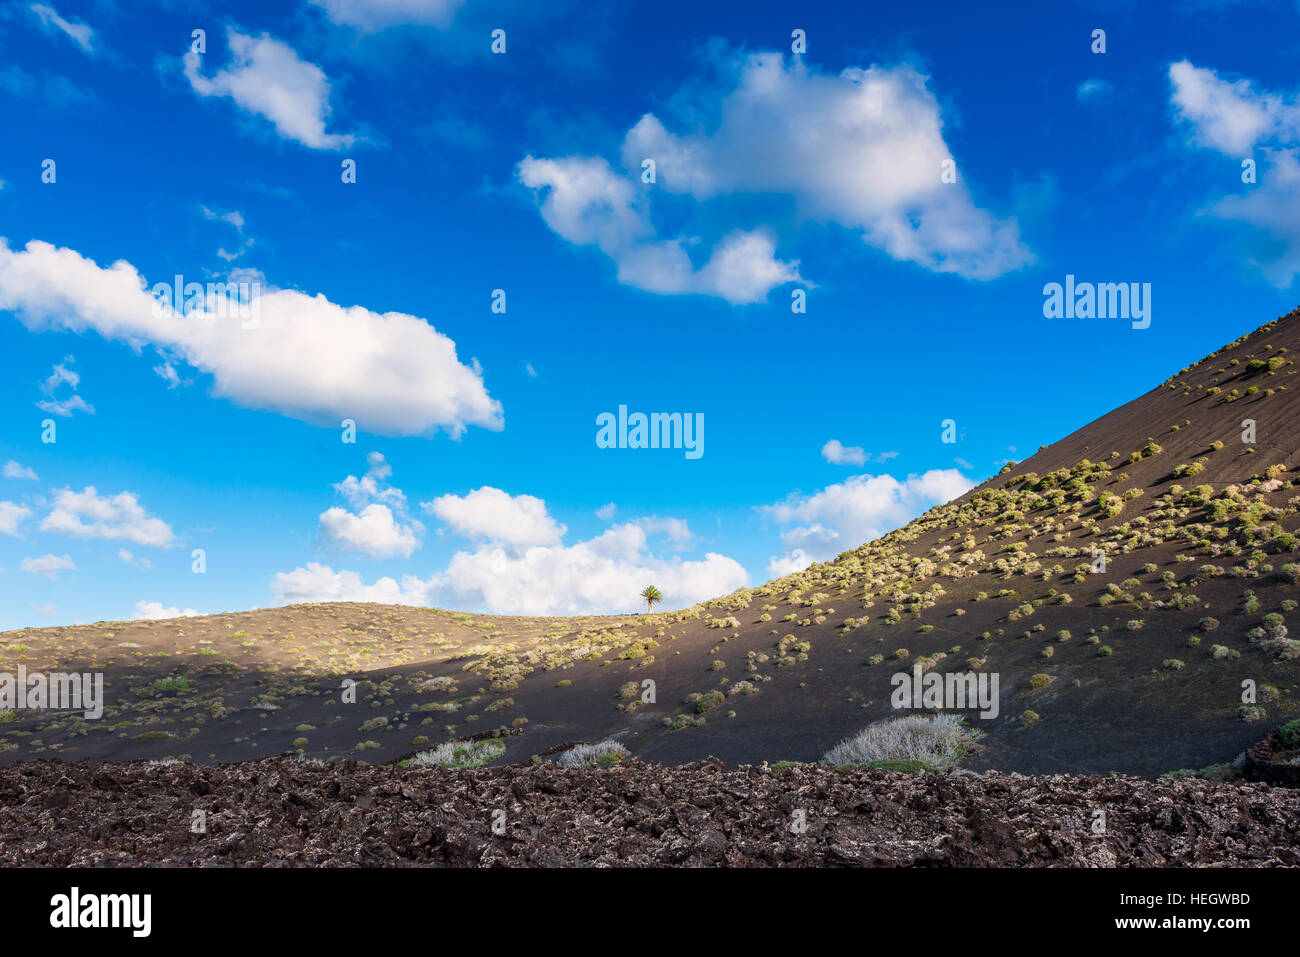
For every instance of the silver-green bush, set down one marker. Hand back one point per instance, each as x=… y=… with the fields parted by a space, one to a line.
x=941 y=740
x=602 y=753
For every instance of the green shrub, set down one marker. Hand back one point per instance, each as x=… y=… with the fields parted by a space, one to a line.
x=172 y=683
x=906 y=765
x=708 y=701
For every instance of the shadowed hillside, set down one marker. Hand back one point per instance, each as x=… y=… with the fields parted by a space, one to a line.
x=1138 y=667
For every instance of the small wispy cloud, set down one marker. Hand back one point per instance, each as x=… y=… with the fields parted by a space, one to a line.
x=234 y=219
x=48 y=565
x=64 y=407
x=15 y=470
x=1093 y=89
x=80 y=33
x=837 y=453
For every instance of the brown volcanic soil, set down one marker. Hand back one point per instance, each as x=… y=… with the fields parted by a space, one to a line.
x=285 y=812
x=980 y=583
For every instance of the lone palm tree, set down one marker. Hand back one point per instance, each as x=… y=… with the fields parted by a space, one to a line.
x=651 y=595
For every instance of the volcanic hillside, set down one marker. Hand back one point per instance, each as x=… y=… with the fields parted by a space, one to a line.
x=1140 y=668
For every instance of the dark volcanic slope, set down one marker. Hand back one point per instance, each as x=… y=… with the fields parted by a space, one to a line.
x=1138 y=669
x=287 y=812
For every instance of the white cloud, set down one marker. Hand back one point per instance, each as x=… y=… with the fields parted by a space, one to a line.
x=606 y=511
x=371 y=16
x=583 y=578
x=497 y=517
x=837 y=453
x=1236 y=119
x=11 y=516
x=231 y=218
x=154 y=611
x=586 y=578
x=130 y=559
x=48 y=565
x=588 y=204
x=863 y=149
x=78 y=32
x=167 y=372
x=373 y=532
x=794 y=561
x=1273 y=208
x=380 y=528
x=858 y=510
x=1093 y=89
x=508 y=575
x=317 y=582
x=815 y=538
x=62 y=375
x=234 y=219
x=307 y=357
x=267 y=77
x=49 y=609
x=86 y=514
x=65 y=407
x=13 y=470
x=676 y=530
x=1229 y=116
x=372 y=487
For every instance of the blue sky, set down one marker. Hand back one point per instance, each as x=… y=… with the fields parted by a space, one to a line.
x=475 y=480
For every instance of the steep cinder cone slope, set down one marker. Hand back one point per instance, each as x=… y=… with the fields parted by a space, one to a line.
x=1130 y=585
x=1176 y=653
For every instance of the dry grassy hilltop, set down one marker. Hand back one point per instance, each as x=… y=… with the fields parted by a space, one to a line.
x=1138 y=668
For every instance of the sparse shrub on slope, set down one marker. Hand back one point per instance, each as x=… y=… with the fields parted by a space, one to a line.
x=706 y=702
x=942 y=741
x=601 y=754
x=1290 y=735
x=459 y=754
x=172 y=683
